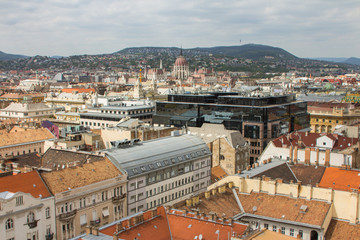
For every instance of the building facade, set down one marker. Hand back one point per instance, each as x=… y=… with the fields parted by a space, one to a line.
x=162 y=171
x=259 y=119
x=98 y=117
x=26 y=111
x=92 y=194
x=26 y=208
x=325 y=116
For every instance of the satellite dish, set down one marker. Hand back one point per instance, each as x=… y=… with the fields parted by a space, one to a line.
x=200 y=236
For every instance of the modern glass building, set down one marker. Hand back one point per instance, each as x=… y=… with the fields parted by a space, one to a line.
x=259 y=119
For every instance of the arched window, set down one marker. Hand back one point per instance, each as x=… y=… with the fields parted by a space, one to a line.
x=30 y=217
x=9 y=224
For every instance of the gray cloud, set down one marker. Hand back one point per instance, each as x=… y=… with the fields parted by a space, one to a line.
x=307 y=28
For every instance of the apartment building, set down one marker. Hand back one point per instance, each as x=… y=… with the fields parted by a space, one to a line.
x=23 y=141
x=27 y=110
x=162 y=171
x=26 y=208
x=105 y=116
x=90 y=194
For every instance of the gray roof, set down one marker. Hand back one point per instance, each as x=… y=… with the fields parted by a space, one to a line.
x=157 y=154
x=124 y=108
x=262 y=168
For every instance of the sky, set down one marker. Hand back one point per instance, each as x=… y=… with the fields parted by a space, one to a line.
x=307 y=28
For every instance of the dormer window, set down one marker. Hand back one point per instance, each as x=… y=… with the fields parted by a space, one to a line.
x=324 y=143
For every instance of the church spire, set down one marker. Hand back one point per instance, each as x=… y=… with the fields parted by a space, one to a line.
x=181 y=53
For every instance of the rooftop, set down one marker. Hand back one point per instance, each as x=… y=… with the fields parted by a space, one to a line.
x=341 y=230
x=22 y=137
x=308 y=174
x=30 y=182
x=60 y=158
x=305 y=139
x=285 y=208
x=340 y=179
x=157 y=154
x=79 y=176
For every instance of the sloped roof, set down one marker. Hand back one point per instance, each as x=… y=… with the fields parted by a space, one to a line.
x=308 y=174
x=282 y=171
x=221 y=203
x=79 y=176
x=30 y=135
x=210 y=132
x=183 y=227
x=285 y=208
x=26 y=107
x=340 y=179
x=159 y=153
x=217 y=173
x=57 y=158
x=155 y=228
x=302 y=140
x=30 y=182
x=341 y=230
x=79 y=90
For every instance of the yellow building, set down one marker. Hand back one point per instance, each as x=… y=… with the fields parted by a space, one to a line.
x=19 y=97
x=324 y=116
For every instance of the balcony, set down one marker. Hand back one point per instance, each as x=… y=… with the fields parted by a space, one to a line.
x=95 y=223
x=67 y=216
x=49 y=236
x=32 y=224
x=117 y=199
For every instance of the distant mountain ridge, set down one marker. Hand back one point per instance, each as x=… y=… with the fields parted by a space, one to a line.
x=352 y=60
x=249 y=51
x=7 y=56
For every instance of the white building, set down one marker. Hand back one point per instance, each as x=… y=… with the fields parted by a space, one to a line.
x=98 y=117
x=314 y=148
x=26 y=110
x=162 y=171
x=27 y=209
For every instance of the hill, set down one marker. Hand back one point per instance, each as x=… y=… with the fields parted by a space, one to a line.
x=248 y=51
x=7 y=56
x=352 y=60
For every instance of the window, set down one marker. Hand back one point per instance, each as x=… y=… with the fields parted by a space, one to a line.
x=47 y=212
x=301 y=234
x=19 y=200
x=274 y=228
x=9 y=224
x=82 y=202
x=291 y=232
x=283 y=230
x=266 y=225
x=30 y=217
x=83 y=220
x=104 y=196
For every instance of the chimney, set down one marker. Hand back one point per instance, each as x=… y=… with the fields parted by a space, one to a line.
x=256 y=164
x=95 y=231
x=88 y=230
x=239 y=171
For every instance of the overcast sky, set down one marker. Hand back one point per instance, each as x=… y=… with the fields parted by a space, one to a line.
x=307 y=28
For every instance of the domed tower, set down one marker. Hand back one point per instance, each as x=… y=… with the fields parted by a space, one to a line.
x=181 y=67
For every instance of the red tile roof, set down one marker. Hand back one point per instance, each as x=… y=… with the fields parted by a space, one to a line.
x=79 y=90
x=30 y=182
x=183 y=227
x=340 y=179
x=173 y=225
x=302 y=140
x=155 y=228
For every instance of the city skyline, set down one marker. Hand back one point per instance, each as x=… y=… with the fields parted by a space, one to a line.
x=313 y=29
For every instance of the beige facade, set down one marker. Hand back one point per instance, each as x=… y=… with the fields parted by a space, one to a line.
x=140 y=131
x=22 y=142
x=92 y=194
x=228 y=147
x=344 y=204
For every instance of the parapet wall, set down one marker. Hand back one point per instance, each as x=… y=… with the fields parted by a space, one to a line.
x=346 y=204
